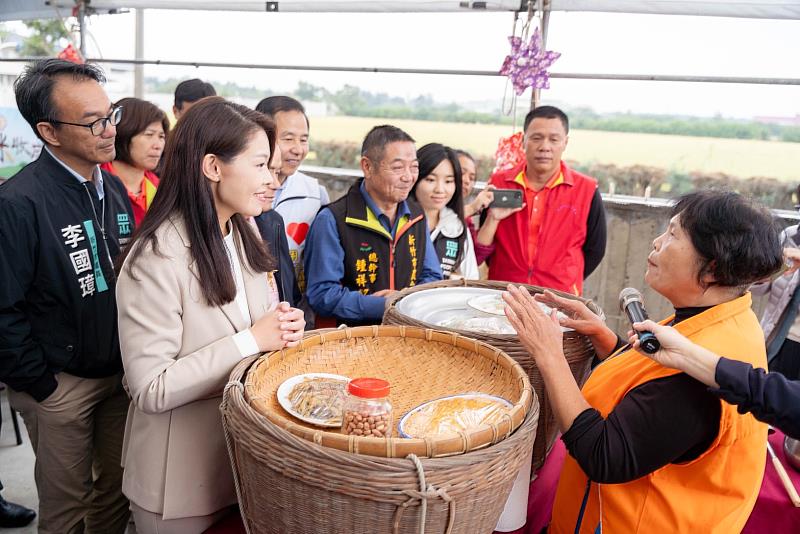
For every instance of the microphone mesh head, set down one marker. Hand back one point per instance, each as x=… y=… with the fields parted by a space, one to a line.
x=628 y=295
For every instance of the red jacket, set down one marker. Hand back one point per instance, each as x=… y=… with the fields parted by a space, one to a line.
x=559 y=261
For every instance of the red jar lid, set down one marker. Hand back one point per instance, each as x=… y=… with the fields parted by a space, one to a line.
x=368 y=388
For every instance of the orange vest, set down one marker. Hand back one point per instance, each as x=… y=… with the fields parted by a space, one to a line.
x=714 y=493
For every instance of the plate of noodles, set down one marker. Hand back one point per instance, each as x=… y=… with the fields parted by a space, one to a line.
x=453 y=414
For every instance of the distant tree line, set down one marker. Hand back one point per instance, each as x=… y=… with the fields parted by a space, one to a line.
x=355 y=102
x=226 y=89
x=587 y=119
x=623 y=180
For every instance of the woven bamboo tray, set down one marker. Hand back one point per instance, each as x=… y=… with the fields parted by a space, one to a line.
x=289 y=485
x=577 y=349
x=420 y=365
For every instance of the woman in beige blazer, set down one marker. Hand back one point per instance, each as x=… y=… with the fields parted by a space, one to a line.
x=194 y=299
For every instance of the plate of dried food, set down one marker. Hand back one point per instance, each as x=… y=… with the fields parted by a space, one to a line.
x=453 y=414
x=315 y=398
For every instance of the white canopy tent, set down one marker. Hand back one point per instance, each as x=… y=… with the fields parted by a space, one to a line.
x=754 y=9
x=767 y=9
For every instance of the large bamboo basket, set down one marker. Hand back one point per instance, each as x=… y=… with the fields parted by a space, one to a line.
x=420 y=365
x=577 y=349
x=289 y=485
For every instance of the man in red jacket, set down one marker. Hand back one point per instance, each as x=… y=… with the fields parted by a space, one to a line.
x=558 y=236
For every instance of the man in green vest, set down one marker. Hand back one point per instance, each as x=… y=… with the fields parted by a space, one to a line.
x=373 y=241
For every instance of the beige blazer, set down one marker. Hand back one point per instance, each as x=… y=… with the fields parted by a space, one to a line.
x=177 y=352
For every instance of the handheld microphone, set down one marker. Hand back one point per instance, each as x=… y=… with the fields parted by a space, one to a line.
x=630 y=302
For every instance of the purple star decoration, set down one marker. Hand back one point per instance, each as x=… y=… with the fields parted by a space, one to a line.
x=527 y=65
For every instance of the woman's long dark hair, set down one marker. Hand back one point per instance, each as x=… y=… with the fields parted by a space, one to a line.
x=212 y=126
x=429 y=157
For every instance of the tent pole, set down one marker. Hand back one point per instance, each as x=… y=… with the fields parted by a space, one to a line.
x=544 y=24
x=82 y=26
x=138 y=69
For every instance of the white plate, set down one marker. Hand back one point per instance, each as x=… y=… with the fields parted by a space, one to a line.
x=491 y=304
x=444 y=304
x=495 y=305
x=402 y=422
x=482 y=325
x=286 y=387
x=547 y=310
x=434 y=305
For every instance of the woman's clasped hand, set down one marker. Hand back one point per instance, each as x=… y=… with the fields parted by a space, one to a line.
x=281 y=328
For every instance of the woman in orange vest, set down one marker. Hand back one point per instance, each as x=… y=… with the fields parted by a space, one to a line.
x=140 y=140
x=650 y=448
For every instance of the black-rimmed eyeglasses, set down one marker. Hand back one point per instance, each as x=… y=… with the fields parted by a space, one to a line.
x=99 y=126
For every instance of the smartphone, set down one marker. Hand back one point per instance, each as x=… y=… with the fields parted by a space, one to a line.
x=507 y=198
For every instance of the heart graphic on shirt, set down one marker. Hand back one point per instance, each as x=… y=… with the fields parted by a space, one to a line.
x=297 y=231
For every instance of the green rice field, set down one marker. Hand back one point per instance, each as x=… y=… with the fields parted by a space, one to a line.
x=738 y=157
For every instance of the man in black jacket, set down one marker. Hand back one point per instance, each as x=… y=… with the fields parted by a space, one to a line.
x=62 y=223
x=273 y=232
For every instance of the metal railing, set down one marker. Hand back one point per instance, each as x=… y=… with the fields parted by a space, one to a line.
x=456 y=72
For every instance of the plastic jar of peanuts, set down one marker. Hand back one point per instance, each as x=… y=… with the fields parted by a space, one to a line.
x=367 y=410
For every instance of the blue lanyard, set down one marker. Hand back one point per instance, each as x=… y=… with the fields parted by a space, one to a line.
x=579 y=522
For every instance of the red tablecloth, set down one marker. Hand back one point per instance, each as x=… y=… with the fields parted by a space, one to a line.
x=231 y=524
x=773 y=511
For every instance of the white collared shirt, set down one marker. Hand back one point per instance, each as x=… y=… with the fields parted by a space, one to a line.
x=245 y=341
x=96 y=175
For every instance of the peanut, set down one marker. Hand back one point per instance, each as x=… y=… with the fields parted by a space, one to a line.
x=366 y=424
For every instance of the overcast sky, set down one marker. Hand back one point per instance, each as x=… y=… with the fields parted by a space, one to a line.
x=589 y=42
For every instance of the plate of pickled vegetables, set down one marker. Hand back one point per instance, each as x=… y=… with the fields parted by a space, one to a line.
x=315 y=398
